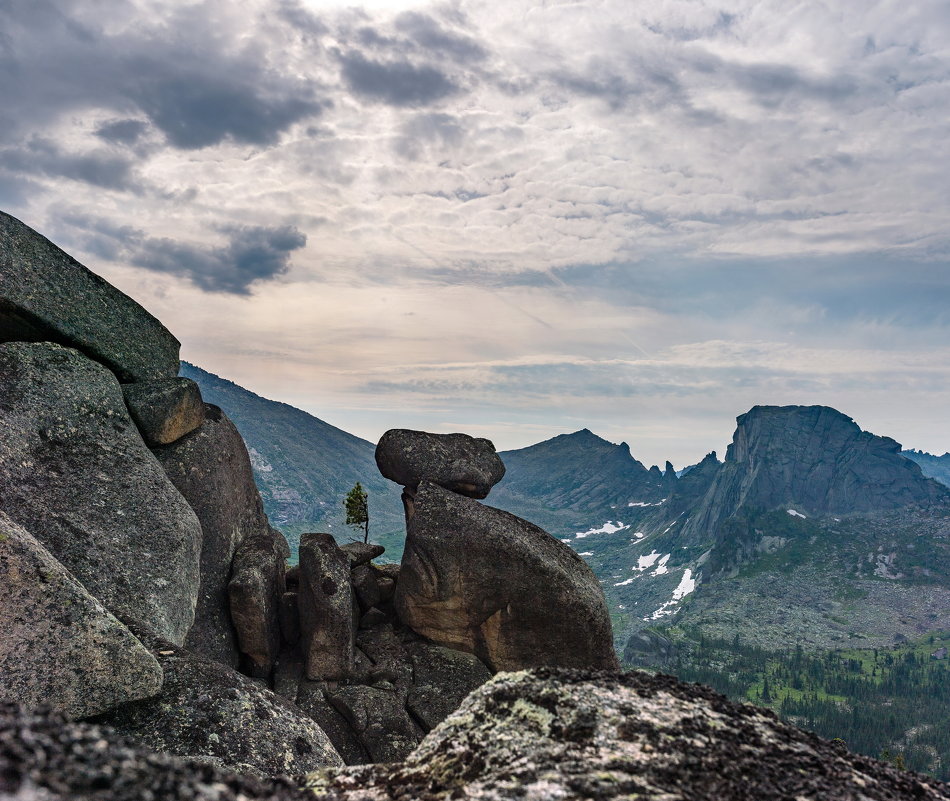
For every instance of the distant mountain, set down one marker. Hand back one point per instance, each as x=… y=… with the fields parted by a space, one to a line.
x=304 y=467
x=937 y=467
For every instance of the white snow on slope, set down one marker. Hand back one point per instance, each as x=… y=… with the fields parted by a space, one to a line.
x=606 y=528
x=685 y=587
x=793 y=513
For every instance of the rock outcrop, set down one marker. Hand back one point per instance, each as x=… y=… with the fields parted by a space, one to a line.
x=813 y=460
x=211 y=469
x=460 y=463
x=45 y=757
x=75 y=472
x=481 y=580
x=58 y=644
x=208 y=711
x=46 y=295
x=558 y=734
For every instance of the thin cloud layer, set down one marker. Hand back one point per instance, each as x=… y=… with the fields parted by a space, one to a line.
x=590 y=189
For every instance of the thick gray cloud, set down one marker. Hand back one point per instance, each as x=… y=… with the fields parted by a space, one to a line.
x=253 y=253
x=43 y=156
x=397 y=82
x=122 y=132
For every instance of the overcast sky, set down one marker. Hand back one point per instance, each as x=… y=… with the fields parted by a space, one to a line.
x=515 y=219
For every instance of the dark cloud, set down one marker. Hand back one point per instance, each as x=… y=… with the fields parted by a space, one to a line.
x=196 y=107
x=198 y=87
x=122 y=132
x=398 y=83
x=770 y=84
x=44 y=157
x=430 y=36
x=253 y=253
x=294 y=13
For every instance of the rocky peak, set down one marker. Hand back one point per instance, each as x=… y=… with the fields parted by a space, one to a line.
x=820 y=460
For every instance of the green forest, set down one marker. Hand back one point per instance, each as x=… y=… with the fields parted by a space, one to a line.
x=892 y=703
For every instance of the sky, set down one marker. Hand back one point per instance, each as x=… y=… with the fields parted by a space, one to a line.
x=514 y=219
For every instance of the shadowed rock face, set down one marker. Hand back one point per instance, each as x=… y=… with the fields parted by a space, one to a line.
x=75 y=471
x=165 y=410
x=211 y=469
x=207 y=710
x=46 y=295
x=466 y=465
x=559 y=734
x=58 y=644
x=481 y=580
x=327 y=628
x=44 y=757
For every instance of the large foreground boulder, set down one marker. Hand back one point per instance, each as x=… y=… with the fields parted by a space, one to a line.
x=466 y=465
x=211 y=469
x=45 y=757
x=58 y=644
x=46 y=295
x=75 y=472
x=206 y=710
x=481 y=580
x=566 y=735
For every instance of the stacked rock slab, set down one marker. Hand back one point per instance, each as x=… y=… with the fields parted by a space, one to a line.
x=481 y=580
x=75 y=471
x=327 y=627
x=46 y=295
x=59 y=646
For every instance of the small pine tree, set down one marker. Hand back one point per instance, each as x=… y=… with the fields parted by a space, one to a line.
x=357 y=509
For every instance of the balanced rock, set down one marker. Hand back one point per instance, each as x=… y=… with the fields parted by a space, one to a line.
x=165 y=409
x=466 y=465
x=59 y=646
x=206 y=710
x=211 y=468
x=75 y=472
x=573 y=735
x=46 y=295
x=255 y=591
x=326 y=603
x=481 y=580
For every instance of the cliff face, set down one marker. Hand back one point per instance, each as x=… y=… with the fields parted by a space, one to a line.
x=821 y=460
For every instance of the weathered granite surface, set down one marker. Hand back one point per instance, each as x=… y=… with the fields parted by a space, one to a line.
x=75 y=472
x=58 y=644
x=566 y=735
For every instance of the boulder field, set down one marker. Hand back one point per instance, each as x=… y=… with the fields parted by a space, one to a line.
x=155 y=644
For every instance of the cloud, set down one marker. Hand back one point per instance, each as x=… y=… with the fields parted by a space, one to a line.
x=42 y=156
x=426 y=32
x=398 y=83
x=253 y=253
x=122 y=132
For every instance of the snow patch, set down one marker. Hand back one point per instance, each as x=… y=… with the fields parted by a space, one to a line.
x=661 y=568
x=606 y=528
x=639 y=535
x=647 y=561
x=586 y=553
x=793 y=513
x=685 y=587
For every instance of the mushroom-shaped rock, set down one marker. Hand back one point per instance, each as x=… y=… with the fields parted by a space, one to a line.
x=466 y=465
x=46 y=295
x=208 y=710
x=327 y=628
x=573 y=735
x=75 y=472
x=166 y=409
x=481 y=580
x=58 y=644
